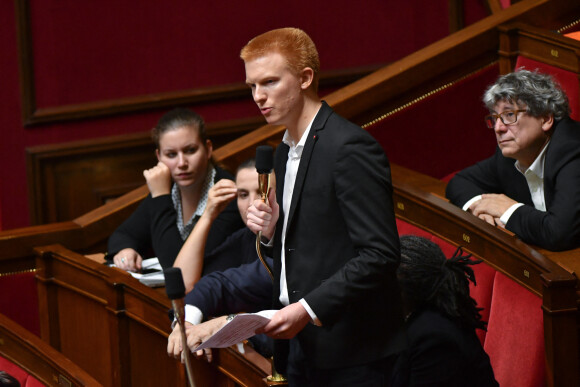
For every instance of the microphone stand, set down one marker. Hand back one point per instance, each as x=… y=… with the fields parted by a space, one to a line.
x=177 y=310
x=264 y=189
x=264 y=184
x=175 y=289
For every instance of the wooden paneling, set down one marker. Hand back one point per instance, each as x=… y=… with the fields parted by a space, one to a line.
x=38 y=358
x=116 y=328
x=68 y=180
x=456 y=19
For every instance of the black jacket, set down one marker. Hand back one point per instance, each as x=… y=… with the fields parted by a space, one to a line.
x=152 y=229
x=557 y=228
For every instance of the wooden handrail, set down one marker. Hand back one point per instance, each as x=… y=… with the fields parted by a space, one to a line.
x=39 y=359
x=418 y=200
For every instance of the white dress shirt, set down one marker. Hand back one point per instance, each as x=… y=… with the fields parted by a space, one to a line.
x=294 y=156
x=535 y=178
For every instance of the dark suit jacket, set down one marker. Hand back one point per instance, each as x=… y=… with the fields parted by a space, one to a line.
x=152 y=229
x=342 y=245
x=441 y=353
x=558 y=228
x=247 y=288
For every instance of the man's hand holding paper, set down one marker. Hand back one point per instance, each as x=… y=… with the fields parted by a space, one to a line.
x=220 y=333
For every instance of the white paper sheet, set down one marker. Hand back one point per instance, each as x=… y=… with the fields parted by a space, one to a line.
x=240 y=328
x=151 y=279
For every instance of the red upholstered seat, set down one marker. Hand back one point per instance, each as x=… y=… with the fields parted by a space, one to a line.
x=448 y=177
x=505 y=3
x=25 y=379
x=405 y=228
x=32 y=382
x=515 y=337
x=483 y=293
x=567 y=79
x=13 y=370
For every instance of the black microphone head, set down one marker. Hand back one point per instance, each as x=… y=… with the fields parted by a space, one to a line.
x=264 y=161
x=174 y=286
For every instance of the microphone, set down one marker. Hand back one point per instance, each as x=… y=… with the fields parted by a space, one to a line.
x=264 y=164
x=264 y=167
x=175 y=289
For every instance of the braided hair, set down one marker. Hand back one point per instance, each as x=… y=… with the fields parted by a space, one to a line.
x=429 y=280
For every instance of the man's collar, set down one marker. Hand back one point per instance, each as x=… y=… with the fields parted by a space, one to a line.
x=288 y=140
x=537 y=166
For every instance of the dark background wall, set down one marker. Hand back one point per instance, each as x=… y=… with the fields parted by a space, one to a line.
x=91 y=51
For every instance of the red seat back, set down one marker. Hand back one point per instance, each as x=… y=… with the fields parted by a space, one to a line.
x=515 y=336
x=514 y=339
x=567 y=79
x=23 y=377
x=483 y=293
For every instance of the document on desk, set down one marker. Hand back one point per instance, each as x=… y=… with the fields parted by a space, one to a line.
x=241 y=327
x=152 y=273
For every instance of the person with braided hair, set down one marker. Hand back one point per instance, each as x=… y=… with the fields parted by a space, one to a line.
x=441 y=319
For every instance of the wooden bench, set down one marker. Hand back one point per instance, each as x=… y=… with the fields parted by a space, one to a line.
x=116 y=328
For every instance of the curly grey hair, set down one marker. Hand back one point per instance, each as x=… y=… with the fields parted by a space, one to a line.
x=539 y=92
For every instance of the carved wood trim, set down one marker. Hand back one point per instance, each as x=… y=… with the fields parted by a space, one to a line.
x=538 y=44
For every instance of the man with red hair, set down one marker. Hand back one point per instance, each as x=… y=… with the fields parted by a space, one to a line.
x=330 y=222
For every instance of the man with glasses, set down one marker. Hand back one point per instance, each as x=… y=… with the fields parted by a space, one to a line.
x=531 y=185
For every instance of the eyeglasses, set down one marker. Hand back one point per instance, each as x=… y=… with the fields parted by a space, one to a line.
x=507 y=118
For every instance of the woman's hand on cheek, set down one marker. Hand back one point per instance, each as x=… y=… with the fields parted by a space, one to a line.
x=158 y=179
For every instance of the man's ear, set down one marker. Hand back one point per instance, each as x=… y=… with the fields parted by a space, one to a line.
x=547 y=122
x=306 y=78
